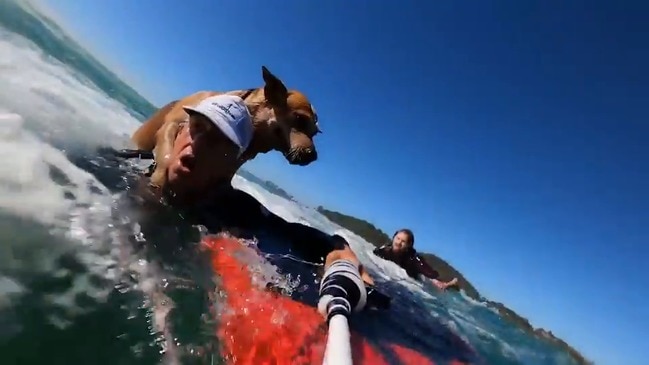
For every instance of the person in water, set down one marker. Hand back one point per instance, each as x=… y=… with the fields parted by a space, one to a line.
x=218 y=131
x=402 y=252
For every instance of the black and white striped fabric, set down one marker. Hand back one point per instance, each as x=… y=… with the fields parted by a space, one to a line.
x=341 y=290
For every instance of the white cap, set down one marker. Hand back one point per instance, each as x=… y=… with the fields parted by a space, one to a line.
x=230 y=114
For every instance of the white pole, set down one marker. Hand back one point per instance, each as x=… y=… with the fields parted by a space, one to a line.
x=339 y=349
x=340 y=284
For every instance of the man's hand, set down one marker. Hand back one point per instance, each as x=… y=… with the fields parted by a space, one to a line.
x=452 y=282
x=443 y=285
x=346 y=253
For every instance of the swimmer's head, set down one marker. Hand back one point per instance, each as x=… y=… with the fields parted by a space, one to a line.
x=403 y=240
x=339 y=242
x=209 y=144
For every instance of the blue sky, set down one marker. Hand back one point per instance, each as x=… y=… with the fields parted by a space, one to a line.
x=511 y=138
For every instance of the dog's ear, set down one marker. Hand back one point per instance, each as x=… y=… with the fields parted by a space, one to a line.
x=274 y=89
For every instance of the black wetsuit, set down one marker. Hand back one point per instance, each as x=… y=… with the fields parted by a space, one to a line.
x=238 y=212
x=231 y=210
x=172 y=228
x=409 y=261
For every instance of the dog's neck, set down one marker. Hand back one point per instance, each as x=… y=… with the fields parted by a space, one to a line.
x=256 y=102
x=261 y=114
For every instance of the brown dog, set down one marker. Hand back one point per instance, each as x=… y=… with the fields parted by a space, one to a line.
x=284 y=120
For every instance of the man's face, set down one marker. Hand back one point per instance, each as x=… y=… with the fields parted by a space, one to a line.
x=201 y=155
x=400 y=242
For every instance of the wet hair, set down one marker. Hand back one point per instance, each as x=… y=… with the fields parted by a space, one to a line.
x=339 y=242
x=408 y=232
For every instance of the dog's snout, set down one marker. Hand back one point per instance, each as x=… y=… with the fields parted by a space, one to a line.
x=310 y=155
x=302 y=156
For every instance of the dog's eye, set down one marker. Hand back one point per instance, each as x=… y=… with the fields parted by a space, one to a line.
x=301 y=121
x=305 y=125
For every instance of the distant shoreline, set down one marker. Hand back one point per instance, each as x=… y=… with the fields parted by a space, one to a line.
x=268 y=185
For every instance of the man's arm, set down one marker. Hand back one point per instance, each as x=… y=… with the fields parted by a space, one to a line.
x=247 y=213
x=381 y=251
x=312 y=244
x=427 y=271
x=443 y=285
x=423 y=268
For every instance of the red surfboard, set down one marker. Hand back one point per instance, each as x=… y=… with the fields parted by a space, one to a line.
x=260 y=327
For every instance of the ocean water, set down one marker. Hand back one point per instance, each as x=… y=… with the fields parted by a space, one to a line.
x=81 y=282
